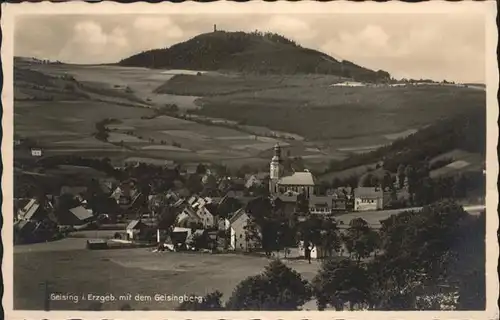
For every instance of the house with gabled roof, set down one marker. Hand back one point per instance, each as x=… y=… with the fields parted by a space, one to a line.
x=238 y=237
x=368 y=198
x=75 y=216
x=135 y=228
x=32 y=210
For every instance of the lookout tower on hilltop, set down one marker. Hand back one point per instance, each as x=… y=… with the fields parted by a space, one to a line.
x=215 y=28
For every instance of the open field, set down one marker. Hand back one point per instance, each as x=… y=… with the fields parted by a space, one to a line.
x=311 y=107
x=460 y=160
x=140 y=81
x=344 y=174
x=242 y=116
x=135 y=271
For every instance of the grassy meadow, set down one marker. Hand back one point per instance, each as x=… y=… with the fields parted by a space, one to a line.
x=234 y=118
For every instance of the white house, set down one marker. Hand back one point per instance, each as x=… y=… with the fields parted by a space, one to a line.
x=317 y=252
x=237 y=223
x=367 y=199
x=36 y=152
x=206 y=217
x=134 y=229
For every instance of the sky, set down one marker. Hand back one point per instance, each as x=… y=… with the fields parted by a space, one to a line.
x=435 y=46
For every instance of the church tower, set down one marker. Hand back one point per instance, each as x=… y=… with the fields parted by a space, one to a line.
x=275 y=169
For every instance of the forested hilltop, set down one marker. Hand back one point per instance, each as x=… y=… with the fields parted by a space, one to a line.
x=256 y=52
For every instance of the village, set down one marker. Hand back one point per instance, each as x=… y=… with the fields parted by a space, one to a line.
x=210 y=212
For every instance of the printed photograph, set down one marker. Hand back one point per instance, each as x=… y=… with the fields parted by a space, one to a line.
x=246 y=161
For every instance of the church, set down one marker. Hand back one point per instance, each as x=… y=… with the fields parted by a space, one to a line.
x=283 y=182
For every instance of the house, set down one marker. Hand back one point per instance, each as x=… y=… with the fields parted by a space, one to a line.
x=126 y=195
x=255 y=180
x=198 y=210
x=206 y=215
x=107 y=186
x=135 y=229
x=187 y=216
x=322 y=205
x=339 y=202
x=286 y=204
x=36 y=152
x=317 y=252
x=76 y=216
x=237 y=223
x=368 y=198
x=179 y=236
x=33 y=210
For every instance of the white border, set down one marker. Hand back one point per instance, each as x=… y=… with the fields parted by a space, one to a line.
x=488 y=8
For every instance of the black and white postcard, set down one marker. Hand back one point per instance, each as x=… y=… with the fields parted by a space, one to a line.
x=255 y=160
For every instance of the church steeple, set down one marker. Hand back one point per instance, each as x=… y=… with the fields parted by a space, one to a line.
x=277 y=152
x=275 y=169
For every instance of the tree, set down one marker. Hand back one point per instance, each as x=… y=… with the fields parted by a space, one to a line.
x=193 y=184
x=253 y=234
x=387 y=181
x=419 y=255
x=360 y=239
x=201 y=169
x=166 y=218
x=277 y=288
x=339 y=282
x=401 y=175
x=210 y=302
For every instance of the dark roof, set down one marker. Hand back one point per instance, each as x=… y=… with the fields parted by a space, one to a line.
x=368 y=192
x=320 y=201
x=287 y=198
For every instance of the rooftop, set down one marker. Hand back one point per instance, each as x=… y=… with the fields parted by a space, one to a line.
x=299 y=179
x=368 y=192
x=320 y=201
x=81 y=213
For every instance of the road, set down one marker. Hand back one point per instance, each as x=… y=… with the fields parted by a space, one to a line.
x=374 y=217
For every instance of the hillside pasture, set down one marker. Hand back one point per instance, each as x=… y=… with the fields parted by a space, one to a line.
x=344 y=174
x=34 y=116
x=460 y=161
x=322 y=113
x=133 y=84
x=224 y=84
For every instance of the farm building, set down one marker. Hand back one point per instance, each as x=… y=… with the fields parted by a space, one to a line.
x=368 y=198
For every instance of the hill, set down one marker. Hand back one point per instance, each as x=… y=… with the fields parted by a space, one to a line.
x=459 y=138
x=262 y=53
